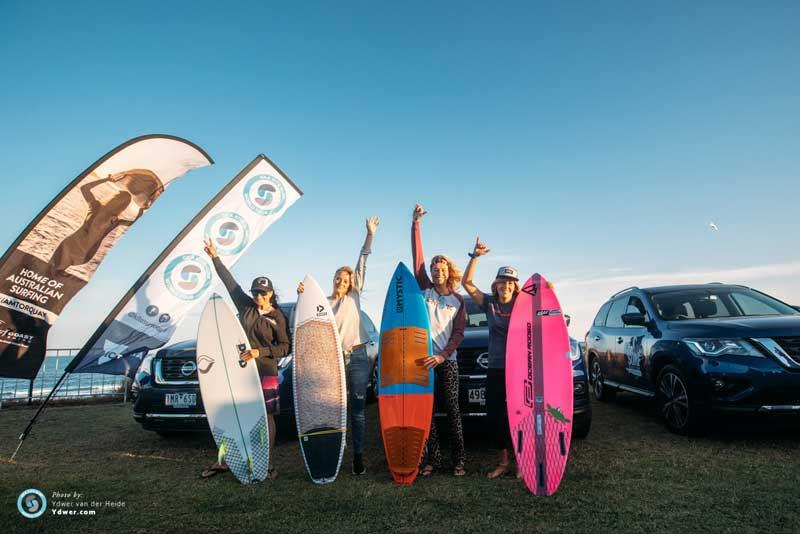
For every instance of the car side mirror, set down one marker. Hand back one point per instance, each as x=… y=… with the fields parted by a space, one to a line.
x=567 y=318
x=634 y=319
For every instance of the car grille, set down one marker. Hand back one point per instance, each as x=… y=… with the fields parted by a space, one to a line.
x=791 y=345
x=172 y=369
x=468 y=361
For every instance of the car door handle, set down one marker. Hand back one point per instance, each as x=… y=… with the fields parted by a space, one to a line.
x=619 y=340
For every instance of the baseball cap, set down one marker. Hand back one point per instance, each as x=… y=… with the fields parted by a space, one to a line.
x=508 y=272
x=262 y=283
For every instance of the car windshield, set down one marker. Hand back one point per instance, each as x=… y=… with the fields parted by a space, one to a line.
x=713 y=303
x=475 y=315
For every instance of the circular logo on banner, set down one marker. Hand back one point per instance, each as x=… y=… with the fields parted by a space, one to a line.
x=151 y=310
x=187 y=276
x=264 y=194
x=229 y=233
x=31 y=503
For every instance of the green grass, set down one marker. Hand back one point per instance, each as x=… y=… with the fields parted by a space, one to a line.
x=630 y=474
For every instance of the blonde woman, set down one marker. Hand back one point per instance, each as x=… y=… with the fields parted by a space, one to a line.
x=498 y=306
x=448 y=318
x=345 y=301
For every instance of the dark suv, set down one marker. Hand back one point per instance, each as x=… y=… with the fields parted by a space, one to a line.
x=167 y=396
x=473 y=360
x=698 y=349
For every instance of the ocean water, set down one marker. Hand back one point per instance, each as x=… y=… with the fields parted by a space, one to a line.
x=76 y=385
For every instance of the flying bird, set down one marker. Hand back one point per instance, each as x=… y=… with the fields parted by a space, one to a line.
x=713 y=226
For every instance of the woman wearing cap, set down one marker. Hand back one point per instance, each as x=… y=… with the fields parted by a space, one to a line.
x=498 y=306
x=448 y=318
x=265 y=326
x=345 y=301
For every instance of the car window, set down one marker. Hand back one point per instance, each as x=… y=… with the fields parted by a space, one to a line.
x=475 y=316
x=614 y=319
x=635 y=305
x=752 y=306
x=601 y=315
x=715 y=303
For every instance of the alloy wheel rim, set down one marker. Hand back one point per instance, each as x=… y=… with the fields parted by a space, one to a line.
x=675 y=406
x=597 y=379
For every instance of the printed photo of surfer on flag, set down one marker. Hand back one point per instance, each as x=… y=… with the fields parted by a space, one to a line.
x=345 y=301
x=448 y=318
x=498 y=306
x=268 y=334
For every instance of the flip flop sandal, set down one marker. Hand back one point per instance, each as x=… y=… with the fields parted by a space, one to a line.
x=459 y=472
x=427 y=470
x=213 y=470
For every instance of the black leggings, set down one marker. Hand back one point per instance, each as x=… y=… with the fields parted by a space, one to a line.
x=496 y=409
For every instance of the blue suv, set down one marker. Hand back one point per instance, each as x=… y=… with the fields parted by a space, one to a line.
x=698 y=349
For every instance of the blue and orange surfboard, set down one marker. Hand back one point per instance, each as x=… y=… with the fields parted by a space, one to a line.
x=405 y=387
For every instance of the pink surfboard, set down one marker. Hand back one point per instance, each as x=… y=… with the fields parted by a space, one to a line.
x=539 y=386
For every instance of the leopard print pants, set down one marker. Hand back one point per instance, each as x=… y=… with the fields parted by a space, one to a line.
x=446 y=384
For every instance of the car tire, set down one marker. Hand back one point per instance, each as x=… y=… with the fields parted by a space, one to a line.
x=601 y=390
x=581 y=426
x=675 y=402
x=372 y=387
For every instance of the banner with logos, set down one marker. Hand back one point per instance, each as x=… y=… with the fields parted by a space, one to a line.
x=183 y=275
x=60 y=250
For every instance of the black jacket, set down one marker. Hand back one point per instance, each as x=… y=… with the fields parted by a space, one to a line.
x=266 y=332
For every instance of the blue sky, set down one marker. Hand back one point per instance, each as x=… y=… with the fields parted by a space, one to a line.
x=589 y=141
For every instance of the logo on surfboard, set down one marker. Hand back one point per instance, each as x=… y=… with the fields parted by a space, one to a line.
x=557 y=414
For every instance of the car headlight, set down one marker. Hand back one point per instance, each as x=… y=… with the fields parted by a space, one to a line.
x=722 y=347
x=574 y=351
x=146 y=367
x=283 y=362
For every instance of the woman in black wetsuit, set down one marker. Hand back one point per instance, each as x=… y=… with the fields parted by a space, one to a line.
x=265 y=326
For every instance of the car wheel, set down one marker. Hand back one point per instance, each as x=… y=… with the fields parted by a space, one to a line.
x=372 y=387
x=602 y=392
x=581 y=426
x=675 y=402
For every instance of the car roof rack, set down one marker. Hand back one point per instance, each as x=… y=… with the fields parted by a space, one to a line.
x=621 y=292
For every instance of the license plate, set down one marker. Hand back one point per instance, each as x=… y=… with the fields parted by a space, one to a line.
x=477 y=395
x=180 y=400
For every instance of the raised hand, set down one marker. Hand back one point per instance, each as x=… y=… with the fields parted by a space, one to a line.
x=419 y=212
x=300 y=288
x=372 y=225
x=209 y=248
x=480 y=248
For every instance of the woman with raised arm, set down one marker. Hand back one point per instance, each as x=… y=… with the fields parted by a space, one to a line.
x=265 y=326
x=345 y=301
x=448 y=318
x=497 y=306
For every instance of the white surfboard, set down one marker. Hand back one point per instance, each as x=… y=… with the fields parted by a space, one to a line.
x=232 y=393
x=320 y=387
